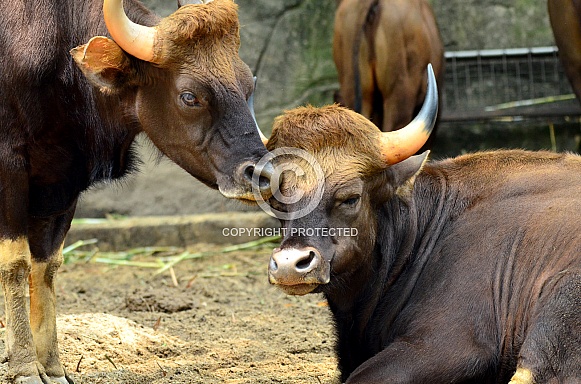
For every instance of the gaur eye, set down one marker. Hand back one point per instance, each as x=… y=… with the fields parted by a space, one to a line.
x=350 y=202
x=190 y=99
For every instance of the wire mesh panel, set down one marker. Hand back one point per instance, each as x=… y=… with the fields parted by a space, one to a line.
x=478 y=82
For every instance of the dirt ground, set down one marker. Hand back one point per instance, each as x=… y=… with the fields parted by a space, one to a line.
x=221 y=323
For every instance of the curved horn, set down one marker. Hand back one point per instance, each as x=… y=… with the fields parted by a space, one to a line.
x=135 y=39
x=398 y=145
x=251 y=106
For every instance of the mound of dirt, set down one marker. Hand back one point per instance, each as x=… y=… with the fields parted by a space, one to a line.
x=215 y=320
x=105 y=342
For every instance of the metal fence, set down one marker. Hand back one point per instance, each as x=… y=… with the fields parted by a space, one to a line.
x=492 y=84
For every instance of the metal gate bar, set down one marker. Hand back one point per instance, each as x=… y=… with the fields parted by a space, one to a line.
x=477 y=82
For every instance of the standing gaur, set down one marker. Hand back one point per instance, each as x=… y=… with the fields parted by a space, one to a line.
x=466 y=270
x=381 y=49
x=68 y=121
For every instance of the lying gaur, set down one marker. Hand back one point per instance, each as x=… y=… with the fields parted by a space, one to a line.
x=466 y=270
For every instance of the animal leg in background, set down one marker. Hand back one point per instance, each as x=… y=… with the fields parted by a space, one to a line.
x=397 y=111
x=566 y=25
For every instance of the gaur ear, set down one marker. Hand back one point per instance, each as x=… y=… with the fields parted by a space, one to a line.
x=104 y=63
x=403 y=174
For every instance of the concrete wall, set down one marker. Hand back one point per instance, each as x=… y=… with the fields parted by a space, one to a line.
x=488 y=24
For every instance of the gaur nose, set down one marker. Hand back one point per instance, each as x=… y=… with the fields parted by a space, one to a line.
x=285 y=263
x=264 y=177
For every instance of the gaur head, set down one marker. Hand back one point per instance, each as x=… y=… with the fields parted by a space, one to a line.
x=183 y=83
x=351 y=169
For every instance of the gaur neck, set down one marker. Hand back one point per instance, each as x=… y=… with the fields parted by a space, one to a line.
x=407 y=233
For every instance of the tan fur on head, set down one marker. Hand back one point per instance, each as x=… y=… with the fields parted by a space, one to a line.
x=196 y=26
x=342 y=140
